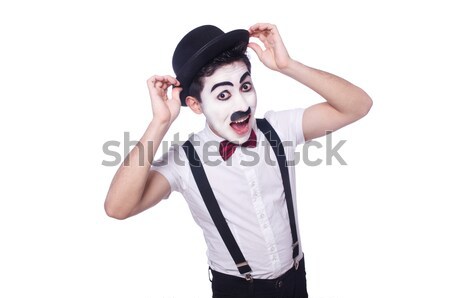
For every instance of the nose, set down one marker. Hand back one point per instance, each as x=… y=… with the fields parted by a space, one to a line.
x=241 y=103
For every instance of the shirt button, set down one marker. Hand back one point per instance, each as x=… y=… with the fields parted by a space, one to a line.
x=279 y=284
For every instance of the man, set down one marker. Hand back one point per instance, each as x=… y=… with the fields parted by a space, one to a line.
x=244 y=203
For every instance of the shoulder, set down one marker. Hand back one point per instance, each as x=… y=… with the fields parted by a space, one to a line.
x=280 y=118
x=172 y=165
x=287 y=124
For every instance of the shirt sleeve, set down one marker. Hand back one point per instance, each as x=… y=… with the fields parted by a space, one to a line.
x=288 y=125
x=170 y=166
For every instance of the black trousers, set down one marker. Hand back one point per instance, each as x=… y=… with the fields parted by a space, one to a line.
x=291 y=284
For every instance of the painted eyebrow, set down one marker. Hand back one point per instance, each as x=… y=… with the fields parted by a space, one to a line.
x=247 y=74
x=221 y=84
x=244 y=76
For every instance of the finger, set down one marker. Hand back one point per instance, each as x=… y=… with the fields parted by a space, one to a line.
x=161 y=88
x=154 y=82
x=259 y=27
x=170 y=80
x=151 y=81
x=163 y=79
x=255 y=47
x=166 y=84
x=176 y=94
x=261 y=35
x=159 y=85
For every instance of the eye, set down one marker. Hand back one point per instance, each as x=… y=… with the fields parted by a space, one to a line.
x=224 y=95
x=246 y=87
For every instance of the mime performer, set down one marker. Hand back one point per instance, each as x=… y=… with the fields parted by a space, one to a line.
x=244 y=202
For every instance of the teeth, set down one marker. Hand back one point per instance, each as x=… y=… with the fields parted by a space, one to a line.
x=242 y=120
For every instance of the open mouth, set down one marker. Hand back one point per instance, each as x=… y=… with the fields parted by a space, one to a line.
x=241 y=126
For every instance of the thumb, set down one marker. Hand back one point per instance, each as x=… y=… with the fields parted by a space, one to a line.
x=176 y=93
x=256 y=48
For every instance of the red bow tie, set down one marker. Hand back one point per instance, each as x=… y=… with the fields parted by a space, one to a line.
x=227 y=148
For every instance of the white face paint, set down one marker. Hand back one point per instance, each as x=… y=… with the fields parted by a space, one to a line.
x=227 y=91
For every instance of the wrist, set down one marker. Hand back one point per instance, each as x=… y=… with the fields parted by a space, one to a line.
x=290 y=66
x=160 y=124
x=295 y=70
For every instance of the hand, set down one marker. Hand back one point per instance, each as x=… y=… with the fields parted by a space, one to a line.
x=275 y=55
x=165 y=110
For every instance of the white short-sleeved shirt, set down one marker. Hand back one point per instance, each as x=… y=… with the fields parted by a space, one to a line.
x=250 y=193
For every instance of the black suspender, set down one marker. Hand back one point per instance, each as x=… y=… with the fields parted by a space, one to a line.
x=213 y=207
x=277 y=146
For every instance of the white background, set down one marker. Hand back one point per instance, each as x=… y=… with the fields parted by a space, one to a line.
x=73 y=76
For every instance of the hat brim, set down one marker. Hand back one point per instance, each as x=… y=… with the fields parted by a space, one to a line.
x=203 y=56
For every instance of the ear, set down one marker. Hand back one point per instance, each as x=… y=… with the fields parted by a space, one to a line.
x=194 y=104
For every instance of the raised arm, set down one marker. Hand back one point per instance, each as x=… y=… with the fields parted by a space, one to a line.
x=135 y=187
x=345 y=102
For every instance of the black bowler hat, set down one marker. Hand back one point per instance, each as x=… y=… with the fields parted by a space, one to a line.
x=199 y=47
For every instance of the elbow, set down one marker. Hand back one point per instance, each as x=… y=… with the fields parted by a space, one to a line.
x=364 y=105
x=368 y=104
x=115 y=212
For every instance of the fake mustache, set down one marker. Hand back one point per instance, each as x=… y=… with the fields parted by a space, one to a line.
x=240 y=114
